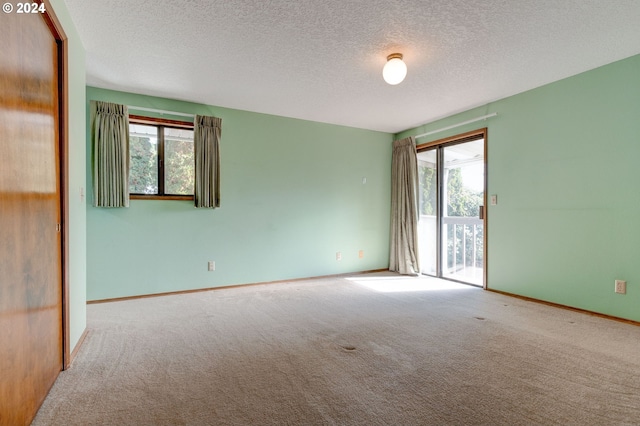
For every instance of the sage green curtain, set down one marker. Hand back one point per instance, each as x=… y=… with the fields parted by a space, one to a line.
x=403 y=256
x=206 y=148
x=110 y=161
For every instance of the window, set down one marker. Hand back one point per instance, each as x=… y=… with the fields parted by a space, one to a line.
x=161 y=162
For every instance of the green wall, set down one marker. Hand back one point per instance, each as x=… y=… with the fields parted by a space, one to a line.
x=292 y=195
x=563 y=160
x=76 y=178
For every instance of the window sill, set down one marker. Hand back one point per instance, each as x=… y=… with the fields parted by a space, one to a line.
x=161 y=197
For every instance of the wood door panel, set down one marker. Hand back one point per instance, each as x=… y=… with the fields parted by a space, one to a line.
x=30 y=245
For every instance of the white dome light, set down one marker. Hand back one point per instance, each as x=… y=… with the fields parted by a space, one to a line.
x=395 y=69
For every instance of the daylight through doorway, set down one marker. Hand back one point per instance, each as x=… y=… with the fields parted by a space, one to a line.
x=451 y=202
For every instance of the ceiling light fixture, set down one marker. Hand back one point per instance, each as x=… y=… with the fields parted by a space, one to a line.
x=395 y=69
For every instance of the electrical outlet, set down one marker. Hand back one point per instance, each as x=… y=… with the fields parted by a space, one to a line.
x=621 y=287
x=361 y=254
x=211 y=266
x=338 y=255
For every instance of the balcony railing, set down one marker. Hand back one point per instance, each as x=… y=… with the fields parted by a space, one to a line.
x=462 y=247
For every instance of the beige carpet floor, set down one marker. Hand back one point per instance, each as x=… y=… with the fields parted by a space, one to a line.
x=373 y=349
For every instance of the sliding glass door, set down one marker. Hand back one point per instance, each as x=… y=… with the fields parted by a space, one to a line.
x=452 y=193
x=428 y=225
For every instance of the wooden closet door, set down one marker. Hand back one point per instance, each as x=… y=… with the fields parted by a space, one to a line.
x=30 y=236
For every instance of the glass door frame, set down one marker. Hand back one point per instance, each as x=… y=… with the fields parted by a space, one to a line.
x=438 y=146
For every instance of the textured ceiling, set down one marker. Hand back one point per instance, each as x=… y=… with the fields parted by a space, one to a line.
x=322 y=60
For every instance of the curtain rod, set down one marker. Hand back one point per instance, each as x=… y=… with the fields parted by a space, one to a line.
x=473 y=120
x=160 y=111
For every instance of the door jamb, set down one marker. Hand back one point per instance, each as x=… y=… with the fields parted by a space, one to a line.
x=57 y=31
